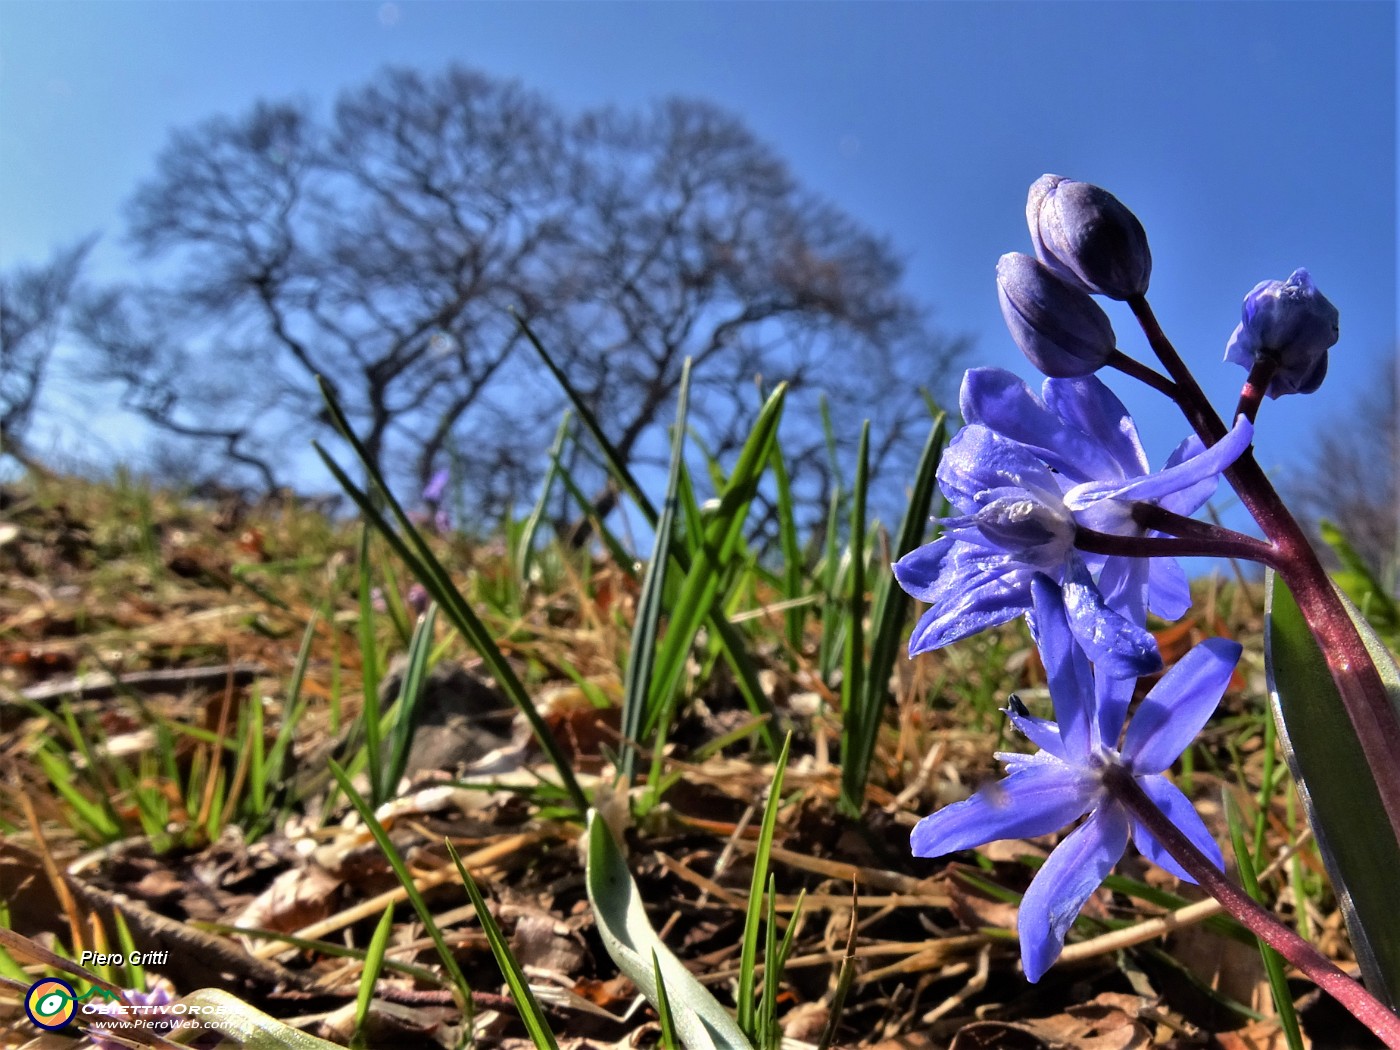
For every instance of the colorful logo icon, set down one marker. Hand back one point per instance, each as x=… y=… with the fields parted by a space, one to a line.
x=51 y=1003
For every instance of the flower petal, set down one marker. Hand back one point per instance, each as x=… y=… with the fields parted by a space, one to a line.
x=921 y=572
x=1111 y=699
x=1038 y=798
x=1192 y=498
x=1089 y=405
x=1179 y=705
x=1066 y=880
x=1172 y=479
x=973 y=591
x=1123 y=583
x=1041 y=732
x=979 y=463
x=1168 y=589
x=1178 y=809
x=1001 y=401
x=1066 y=668
x=1118 y=648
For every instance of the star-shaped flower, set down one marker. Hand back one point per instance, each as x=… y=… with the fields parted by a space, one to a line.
x=1064 y=780
x=1025 y=475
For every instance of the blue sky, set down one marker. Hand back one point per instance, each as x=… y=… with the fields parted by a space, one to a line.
x=1250 y=138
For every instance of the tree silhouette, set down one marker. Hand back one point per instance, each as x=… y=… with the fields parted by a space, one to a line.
x=389 y=247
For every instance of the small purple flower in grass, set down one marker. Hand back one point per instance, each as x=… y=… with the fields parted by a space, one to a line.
x=436 y=487
x=1289 y=321
x=1063 y=781
x=1025 y=475
x=146 y=1007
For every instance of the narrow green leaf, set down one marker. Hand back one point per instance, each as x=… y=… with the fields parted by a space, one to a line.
x=888 y=617
x=636 y=687
x=1360 y=584
x=735 y=653
x=1273 y=962
x=700 y=1021
x=410 y=691
x=374 y=963
x=1343 y=806
x=438 y=583
x=748 y=946
x=723 y=529
x=663 y=1007
x=525 y=552
x=243 y=1025
x=405 y=877
x=853 y=717
x=525 y=1002
x=793 y=577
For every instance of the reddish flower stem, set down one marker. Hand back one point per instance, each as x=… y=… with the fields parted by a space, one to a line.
x=1225 y=546
x=1250 y=914
x=1358 y=682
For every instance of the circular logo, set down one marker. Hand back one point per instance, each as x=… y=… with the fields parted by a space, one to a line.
x=50 y=1003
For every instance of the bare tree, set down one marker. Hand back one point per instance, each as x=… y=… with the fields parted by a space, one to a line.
x=696 y=241
x=386 y=247
x=33 y=305
x=1353 y=479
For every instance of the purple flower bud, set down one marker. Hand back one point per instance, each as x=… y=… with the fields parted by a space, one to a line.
x=1063 y=331
x=1086 y=236
x=436 y=487
x=1291 y=322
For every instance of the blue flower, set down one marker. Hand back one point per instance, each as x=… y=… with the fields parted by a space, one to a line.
x=1292 y=323
x=1057 y=325
x=1088 y=238
x=1025 y=475
x=1064 y=780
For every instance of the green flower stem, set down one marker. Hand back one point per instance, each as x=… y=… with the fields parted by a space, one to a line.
x=1365 y=1007
x=1358 y=682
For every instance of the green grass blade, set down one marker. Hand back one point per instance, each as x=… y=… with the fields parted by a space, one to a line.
x=1273 y=962
x=853 y=718
x=411 y=547
x=890 y=611
x=701 y=589
x=748 y=946
x=405 y=877
x=374 y=964
x=616 y=464
x=636 y=688
x=735 y=652
x=1343 y=806
x=663 y=1007
x=793 y=577
x=369 y=648
x=410 y=691
x=525 y=552
x=530 y=1012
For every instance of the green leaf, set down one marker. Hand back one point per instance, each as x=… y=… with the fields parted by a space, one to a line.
x=1273 y=962
x=530 y=1013
x=1343 y=806
x=636 y=688
x=700 y=1021
x=723 y=532
x=1359 y=583
x=243 y=1025
x=748 y=950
